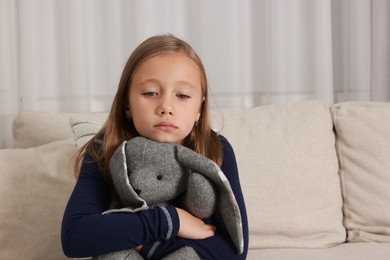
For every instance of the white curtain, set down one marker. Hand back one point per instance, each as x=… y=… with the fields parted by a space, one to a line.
x=380 y=62
x=67 y=55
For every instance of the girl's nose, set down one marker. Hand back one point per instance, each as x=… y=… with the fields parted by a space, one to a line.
x=166 y=107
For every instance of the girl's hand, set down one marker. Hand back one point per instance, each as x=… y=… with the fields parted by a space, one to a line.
x=192 y=227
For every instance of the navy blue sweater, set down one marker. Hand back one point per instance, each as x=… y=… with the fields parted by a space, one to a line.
x=86 y=232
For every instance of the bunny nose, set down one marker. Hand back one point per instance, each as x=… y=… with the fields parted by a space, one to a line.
x=137 y=191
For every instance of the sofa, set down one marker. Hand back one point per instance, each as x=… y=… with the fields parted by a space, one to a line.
x=315 y=177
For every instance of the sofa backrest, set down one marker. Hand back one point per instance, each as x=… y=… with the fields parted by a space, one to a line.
x=363 y=147
x=289 y=174
x=309 y=173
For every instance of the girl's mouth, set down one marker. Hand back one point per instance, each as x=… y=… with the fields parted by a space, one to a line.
x=166 y=126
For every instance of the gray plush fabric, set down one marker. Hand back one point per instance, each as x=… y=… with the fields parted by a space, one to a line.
x=201 y=196
x=186 y=252
x=120 y=255
x=226 y=200
x=147 y=173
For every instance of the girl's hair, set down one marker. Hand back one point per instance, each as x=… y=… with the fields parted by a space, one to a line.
x=119 y=128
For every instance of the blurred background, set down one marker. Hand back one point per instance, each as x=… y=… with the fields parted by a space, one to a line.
x=68 y=55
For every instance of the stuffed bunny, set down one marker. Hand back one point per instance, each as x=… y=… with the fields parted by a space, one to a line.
x=147 y=174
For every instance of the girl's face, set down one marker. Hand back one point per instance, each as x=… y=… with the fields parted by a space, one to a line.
x=165 y=97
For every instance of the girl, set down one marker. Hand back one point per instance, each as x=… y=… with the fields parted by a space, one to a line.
x=162 y=95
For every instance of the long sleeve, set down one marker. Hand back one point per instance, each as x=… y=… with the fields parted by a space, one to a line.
x=219 y=246
x=86 y=232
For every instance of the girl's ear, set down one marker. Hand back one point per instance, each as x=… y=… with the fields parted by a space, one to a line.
x=200 y=109
x=128 y=113
x=197 y=117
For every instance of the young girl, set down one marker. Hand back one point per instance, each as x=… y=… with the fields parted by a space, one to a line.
x=162 y=95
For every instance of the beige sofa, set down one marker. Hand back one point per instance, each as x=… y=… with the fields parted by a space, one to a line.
x=316 y=179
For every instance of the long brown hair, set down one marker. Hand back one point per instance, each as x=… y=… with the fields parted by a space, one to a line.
x=119 y=128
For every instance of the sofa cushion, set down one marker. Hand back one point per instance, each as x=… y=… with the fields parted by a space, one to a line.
x=35 y=185
x=33 y=128
x=85 y=127
x=289 y=173
x=363 y=146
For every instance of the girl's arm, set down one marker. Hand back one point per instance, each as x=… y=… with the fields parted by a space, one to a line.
x=86 y=232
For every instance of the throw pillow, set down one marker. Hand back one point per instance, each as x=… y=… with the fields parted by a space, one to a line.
x=84 y=129
x=33 y=128
x=33 y=196
x=363 y=146
x=289 y=174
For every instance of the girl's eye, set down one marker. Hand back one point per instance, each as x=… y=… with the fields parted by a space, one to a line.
x=183 y=96
x=150 y=94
